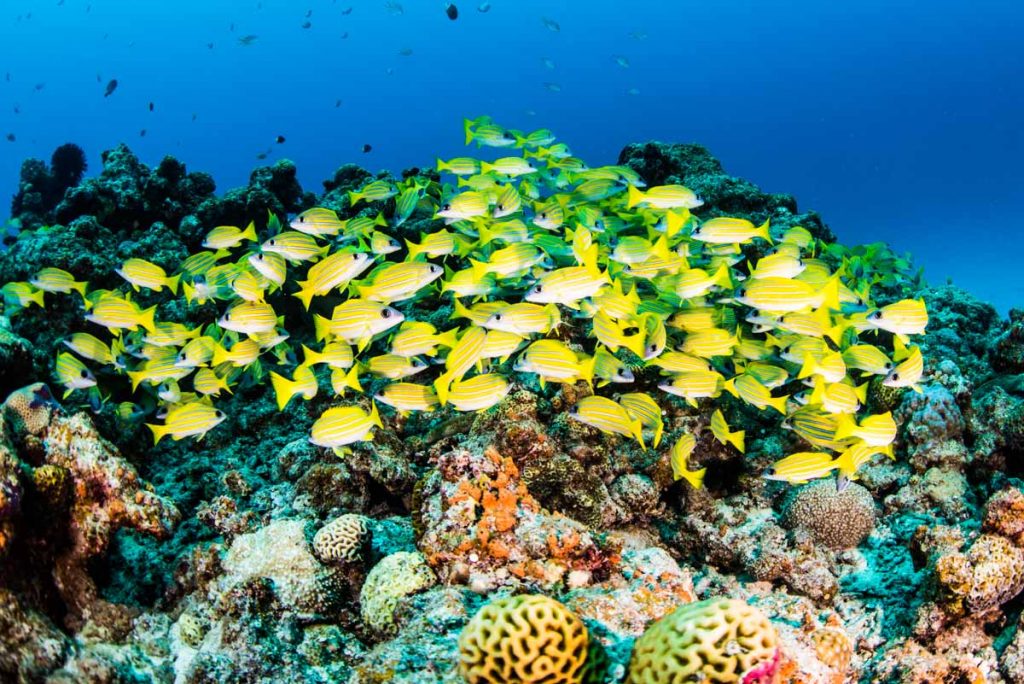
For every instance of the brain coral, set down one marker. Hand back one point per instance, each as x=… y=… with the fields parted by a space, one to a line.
x=523 y=639
x=716 y=641
x=342 y=539
x=839 y=520
x=393 y=578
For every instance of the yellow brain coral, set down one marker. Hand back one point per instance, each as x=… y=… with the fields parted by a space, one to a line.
x=342 y=539
x=521 y=640
x=717 y=641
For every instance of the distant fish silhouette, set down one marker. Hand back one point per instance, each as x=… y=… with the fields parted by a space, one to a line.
x=307 y=24
x=111 y=87
x=142 y=133
x=248 y=40
x=151 y=106
x=367 y=148
x=347 y=10
x=551 y=24
x=10 y=137
x=452 y=11
x=279 y=139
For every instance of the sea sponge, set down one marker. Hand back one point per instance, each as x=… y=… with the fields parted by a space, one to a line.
x=523 y=639
x=833 y=647
x=342 y=540
x=716 y=641
x=392 y=579
x=836 y=519
x=988 y=575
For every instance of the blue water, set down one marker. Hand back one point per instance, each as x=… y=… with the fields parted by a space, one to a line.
x=899 y=121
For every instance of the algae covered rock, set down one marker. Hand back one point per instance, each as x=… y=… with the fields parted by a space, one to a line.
x=388 y=582
x=717 y=641
x=836 y=519
x=529 y=639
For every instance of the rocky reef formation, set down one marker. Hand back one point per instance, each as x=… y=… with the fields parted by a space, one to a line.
x=254 y=556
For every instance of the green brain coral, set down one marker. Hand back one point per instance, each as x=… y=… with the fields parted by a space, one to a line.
x=393 y=578
x=716 y=641
x=523 y=640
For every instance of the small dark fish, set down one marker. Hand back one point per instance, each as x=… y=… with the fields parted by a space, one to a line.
x=151 y=106
x=551 y=24
x=347 y=10
x=8 y=76
x=309 y=13
x=452 y=11
x=405 y=52
x=111 y=87
x=263 y=155
x=344 y=35
x=279 y=139
x=40 y=86
x=307 y=24
x=11 y=137
x=367 y=148
x=142 y=133
x=232 y=27
x=483 y=7
x=99 y=78
x=553 y=87
x=17 y=109
x=248 y=40
x=209 y=46
x=337 y=103
x=194 y=116
x=60 y=3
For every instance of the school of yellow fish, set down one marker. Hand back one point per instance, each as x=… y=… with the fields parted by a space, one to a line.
x=554 y=269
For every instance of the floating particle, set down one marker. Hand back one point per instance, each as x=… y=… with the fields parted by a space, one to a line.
x=452 y=11
x=551 y=24
x=142 y=133
x=633 y=91
x=337 y=103
x=151 y=106
x=367 y=148
x=405 y=52
x=11 y=137
x=638 y=35
x=39 y=86
x=347 y=10
x=307 y=24
x=194 y=116
x=248 y=40
x=263 y=155
x=394 y=8
x=309 y=13
x=621 y=61
x=209 y=46
x=344 y=35
x=552 y=87
x=483 y=7
x=111 y=87
x=548 y=62
x=279 y=139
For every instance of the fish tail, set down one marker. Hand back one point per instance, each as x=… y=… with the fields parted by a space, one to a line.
x=441 y=387
x=830 y=293
x=284 y=389
x=305 y=293
x=763 y=231
x=861 y=392
x=737 y=440
x=37 y=297
x=809 y=367
x=587 y=370
x=845 y=427
x=220 y=355
x=441 y=165
x=136 y=377
x=172 y=283
x=486 y=167
x=633 y=197
x=660 y=248
x=480 y=269
x=730 y=386
x=310 y=357
x=674 y=222
x=351 y=379
x=634 y=343
x=158 y=432
x=321 y=327
x=354 y=197
x=722 y=277
x=900 y=351
x=79 y=287
x=249 y=233
x=448 y=338
x=778 y=403
x=146 y=319
x=467 y=126
x=375 y=415
x=637 y=428
x=696 y=477
x=484 y=235
x=659 y=430
x=189 y=292
x=414 y=249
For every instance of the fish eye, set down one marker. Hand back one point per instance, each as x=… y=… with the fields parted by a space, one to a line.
x=259 y=257
x=875 y=315
x=355 y=257
x=218 y=413
x=652 y=347
x=888 y=365
x=227 y=316
x=446 y=207
x=543 y=214
x=386 y=313
x=271 y=242
x=537 y=288
x=895 y=376
x=501 y=207
x=182 y=356
x=85 y=373
x=696 y=230
x=497 y=317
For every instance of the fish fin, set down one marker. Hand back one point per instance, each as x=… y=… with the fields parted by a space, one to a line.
x=467 y=127
x=633 y=197
x=375 y=415
x=696 y=477
x=322 y=327
x=845 y=427
x=737 y=440
x=354 y=197
x=249 y=233
x=861 y=391
x=778 y=403
x=441 y=387
x=809 y=367
x=172 y=283
x=284 y=389
x=146 y=319
x=763 y=231
x=659 y=429
x=158 y=432
x=305 y=293
x=135 y=376
x=730 y=386
x=637 y=428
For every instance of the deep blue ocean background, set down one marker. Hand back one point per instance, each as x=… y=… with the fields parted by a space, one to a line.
x=898 y=121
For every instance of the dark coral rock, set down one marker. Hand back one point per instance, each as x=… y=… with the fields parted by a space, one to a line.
x=67 y=167
x=41 y=188
x=561 y=484
x=693 y=166
x=271 y=188
x=960 y=327
x=1007 y=354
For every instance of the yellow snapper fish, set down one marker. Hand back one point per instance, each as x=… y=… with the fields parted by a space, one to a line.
x=242 y=353
x=727 y=230
x=140 y=273
x=317 y=221
x=867 y=358
x=524 y=318
x=73 y=374
x=466 y=205
x=340 y=426
x=415 y=338
x=851 y=460
x=903 y=318
x=116 y=314
x=478 y=393
x=406 y=397
x=510 y=262
x=607 y=416
x=694 y=385
x=463 y=355
x=334 y=354
x=801 y=467
x=196 y=352
x=908 y=372
x=567 y=286
x=294 y=246
x=642 y=407
x=612 y=335
x=783 y=295
x=249 y=318
x=679 y=458
x=207 y=383
x=90 y=347
x=553 y=361
x=508 y=166
x=441 y=243
x=720 y=429
x=465 y=283
x=750 y=390
x=499 y=344
x=273 y=266
x=395 y=367
x=303 y=383
x=663 y=197
x=227 y=237
x=609 y=369
x=460 y=166
x=374 y=191
x=193 y=419
x=357 y=321
x=56 y=280
x=23 y=295
x=334 y=271
x=400 y=281
x=878 y=430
